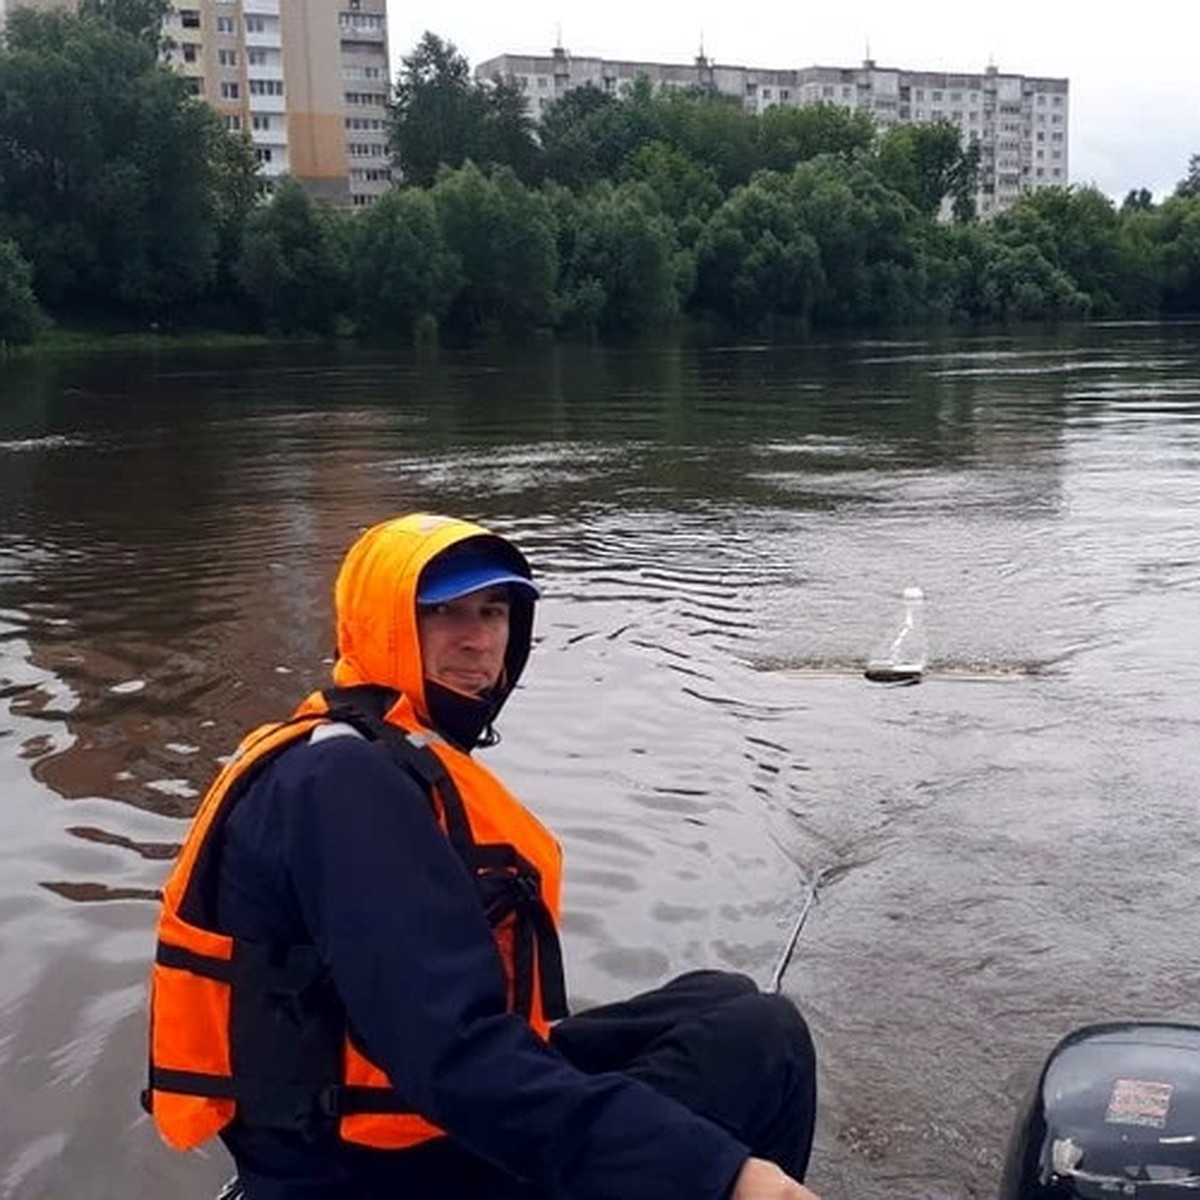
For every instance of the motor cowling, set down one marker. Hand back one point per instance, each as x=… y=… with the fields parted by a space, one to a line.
x=1115 y=1113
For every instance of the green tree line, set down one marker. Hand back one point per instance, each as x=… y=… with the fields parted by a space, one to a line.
x=124 y=200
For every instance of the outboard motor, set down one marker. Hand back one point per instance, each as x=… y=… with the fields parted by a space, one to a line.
x=1115 y=1113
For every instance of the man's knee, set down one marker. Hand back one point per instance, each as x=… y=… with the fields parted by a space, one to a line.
x=713 y=987
x=772 y=1031
x=788 y=1026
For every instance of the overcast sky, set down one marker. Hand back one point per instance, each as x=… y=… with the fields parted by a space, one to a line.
x=1134 y=67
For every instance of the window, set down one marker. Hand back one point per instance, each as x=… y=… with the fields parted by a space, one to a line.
x=784 y=94
x=233 y=123
x=936 y=96
x=225 y=25
x=230 y=91
x=191 y=52
x=256 y=56
x=766 y=93
x=255 y=24
x=262 y=122
x=189 y=18
x=263 y=153
x=227 y=58
x=195 y=85
x=266 y=87
x=361 y=22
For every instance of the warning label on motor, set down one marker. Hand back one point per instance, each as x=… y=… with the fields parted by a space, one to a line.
x=1139 y=1102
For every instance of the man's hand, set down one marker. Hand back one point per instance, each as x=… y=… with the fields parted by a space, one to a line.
x=762 y=1180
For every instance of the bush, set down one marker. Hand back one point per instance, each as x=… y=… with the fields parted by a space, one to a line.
x=20 y=316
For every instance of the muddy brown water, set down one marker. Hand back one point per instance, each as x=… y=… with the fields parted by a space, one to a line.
x=1009 y=849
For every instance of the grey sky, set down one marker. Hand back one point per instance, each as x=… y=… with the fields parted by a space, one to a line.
x=1134 y=70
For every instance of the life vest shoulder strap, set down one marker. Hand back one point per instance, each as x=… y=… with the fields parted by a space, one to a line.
x=509 y=885
x=364 y=708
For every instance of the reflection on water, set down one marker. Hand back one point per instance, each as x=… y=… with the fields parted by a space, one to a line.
x=1007 y=850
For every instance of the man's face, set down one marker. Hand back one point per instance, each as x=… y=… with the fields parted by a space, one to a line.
x=463 y=641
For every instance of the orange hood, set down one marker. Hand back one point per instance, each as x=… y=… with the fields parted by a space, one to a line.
x=375 y=598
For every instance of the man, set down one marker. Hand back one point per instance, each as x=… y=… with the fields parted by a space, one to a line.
x=358 y=982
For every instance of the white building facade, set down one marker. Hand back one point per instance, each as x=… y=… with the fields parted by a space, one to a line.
x=1020 y=122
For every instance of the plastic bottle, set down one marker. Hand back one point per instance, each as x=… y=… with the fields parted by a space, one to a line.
x=903 y=659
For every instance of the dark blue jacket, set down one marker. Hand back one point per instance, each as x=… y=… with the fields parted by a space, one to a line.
x=335 y=845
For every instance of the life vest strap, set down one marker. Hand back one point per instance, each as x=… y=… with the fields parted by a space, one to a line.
x=364 y=708
x=350 y=1100
x=277 y=969
x=279 y=1104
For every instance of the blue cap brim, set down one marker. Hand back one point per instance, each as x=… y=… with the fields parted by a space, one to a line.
x=460 y=577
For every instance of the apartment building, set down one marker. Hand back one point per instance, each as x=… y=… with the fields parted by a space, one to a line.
x=1019 y=121
x=308 y=80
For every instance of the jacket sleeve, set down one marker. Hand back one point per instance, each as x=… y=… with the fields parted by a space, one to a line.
x=394 y=913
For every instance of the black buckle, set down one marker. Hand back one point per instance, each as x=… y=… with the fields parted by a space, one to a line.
x=328 y=1101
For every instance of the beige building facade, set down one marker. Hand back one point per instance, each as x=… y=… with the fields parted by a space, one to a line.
x=1020 y=122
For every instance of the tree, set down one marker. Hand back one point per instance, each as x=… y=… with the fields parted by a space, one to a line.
x=107 y=168
x=756 y=259
x=687 y=191
x=403 y=268
x=1190 y=184
x=292 y=265
x=20 y=317
x=790 y=134
x=437 y=112
x=141 y=19
x=1018 y=282
x=502 y=235
x=1076 y=231
x=621 y=271
x=570 y=132
x=1178 y=237
x=506 y=137
x=440 y=117
x=236 y=193
x=1137 y=200
x=927 y=163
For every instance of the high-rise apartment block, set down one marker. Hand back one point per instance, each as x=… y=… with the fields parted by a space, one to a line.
x=1019 y=121
x=307 y=80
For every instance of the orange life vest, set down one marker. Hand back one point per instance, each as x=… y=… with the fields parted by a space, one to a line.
x=257 y=1031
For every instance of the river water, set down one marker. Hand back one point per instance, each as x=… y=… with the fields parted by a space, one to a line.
x=1006 y=851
